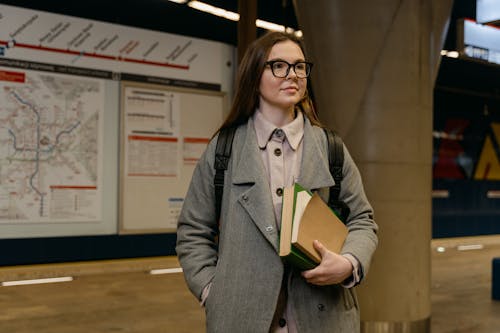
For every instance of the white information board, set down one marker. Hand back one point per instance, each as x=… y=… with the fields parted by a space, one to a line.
x=164 y=132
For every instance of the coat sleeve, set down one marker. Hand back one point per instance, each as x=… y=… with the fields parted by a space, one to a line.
x=362 y=238
x=197 y=226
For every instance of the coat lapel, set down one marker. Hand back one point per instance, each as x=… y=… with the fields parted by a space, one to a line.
x=249 y=174
x=314 y=171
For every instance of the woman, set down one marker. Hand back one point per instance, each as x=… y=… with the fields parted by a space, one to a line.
x=232 y=265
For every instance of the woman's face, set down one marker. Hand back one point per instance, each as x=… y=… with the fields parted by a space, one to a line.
x=284 y=92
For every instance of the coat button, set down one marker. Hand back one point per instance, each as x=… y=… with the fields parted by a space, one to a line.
x=277 y=152
x=279 y=192
x=245 y=198
x=321 y=307
x=282 y=322
x=279 y=133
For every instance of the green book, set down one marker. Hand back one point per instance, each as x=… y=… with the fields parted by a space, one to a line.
x=298 y=259
x=304 y=218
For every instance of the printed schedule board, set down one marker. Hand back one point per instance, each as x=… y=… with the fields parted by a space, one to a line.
x=165 y=130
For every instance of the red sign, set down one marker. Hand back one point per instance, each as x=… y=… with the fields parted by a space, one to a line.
x=12 y=76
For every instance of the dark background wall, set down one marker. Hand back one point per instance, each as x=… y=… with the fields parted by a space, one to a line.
x=466 y=105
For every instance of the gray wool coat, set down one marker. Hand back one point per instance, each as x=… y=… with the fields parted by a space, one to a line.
x=243 y=264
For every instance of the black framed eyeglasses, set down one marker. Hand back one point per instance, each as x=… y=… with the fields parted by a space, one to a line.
x=281 y=68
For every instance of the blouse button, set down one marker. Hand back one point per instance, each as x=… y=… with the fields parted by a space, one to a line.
x=279 y=133
x=279 y=192
x=277 y=152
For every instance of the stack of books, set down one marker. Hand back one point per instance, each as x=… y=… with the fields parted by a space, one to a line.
x=305 y=217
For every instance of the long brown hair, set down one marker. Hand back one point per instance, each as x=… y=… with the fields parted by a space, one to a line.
x=246 y=98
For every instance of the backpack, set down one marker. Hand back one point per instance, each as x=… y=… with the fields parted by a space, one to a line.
x=335 y=161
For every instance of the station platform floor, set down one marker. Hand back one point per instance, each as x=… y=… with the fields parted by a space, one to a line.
x=122 y=296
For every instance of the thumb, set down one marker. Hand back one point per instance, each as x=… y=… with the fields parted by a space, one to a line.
x=319 y=248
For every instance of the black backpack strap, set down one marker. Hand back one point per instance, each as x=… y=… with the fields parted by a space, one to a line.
x=222 y=155
x=336 y=162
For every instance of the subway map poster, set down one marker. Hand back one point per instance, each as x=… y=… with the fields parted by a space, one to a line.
x=50 y=147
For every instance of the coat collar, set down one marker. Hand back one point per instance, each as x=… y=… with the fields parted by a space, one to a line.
x=294 y=131
x=314 y=169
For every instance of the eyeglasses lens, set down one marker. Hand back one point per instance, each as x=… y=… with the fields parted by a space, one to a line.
x=282 y=68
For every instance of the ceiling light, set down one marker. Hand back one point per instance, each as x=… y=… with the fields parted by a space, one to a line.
x=201 y=6
x=450 y=54
x=214 y=10
x=269 y=25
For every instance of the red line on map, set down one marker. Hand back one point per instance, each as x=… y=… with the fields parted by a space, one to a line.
x=196 y=140
x=46 y=48
x=96 y=55
x=155 y=63
x=151 y=138
x=72 y=187
x=102 y=56
x=153 y=174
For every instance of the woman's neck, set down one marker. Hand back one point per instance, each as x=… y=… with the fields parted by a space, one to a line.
x=278 y=117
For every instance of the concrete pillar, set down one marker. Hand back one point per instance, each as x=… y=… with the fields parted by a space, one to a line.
x=375 y=66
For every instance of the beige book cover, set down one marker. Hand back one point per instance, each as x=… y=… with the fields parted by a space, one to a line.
x=320 y=223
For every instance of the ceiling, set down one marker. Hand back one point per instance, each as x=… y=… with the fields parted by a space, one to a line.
x=166 y=16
